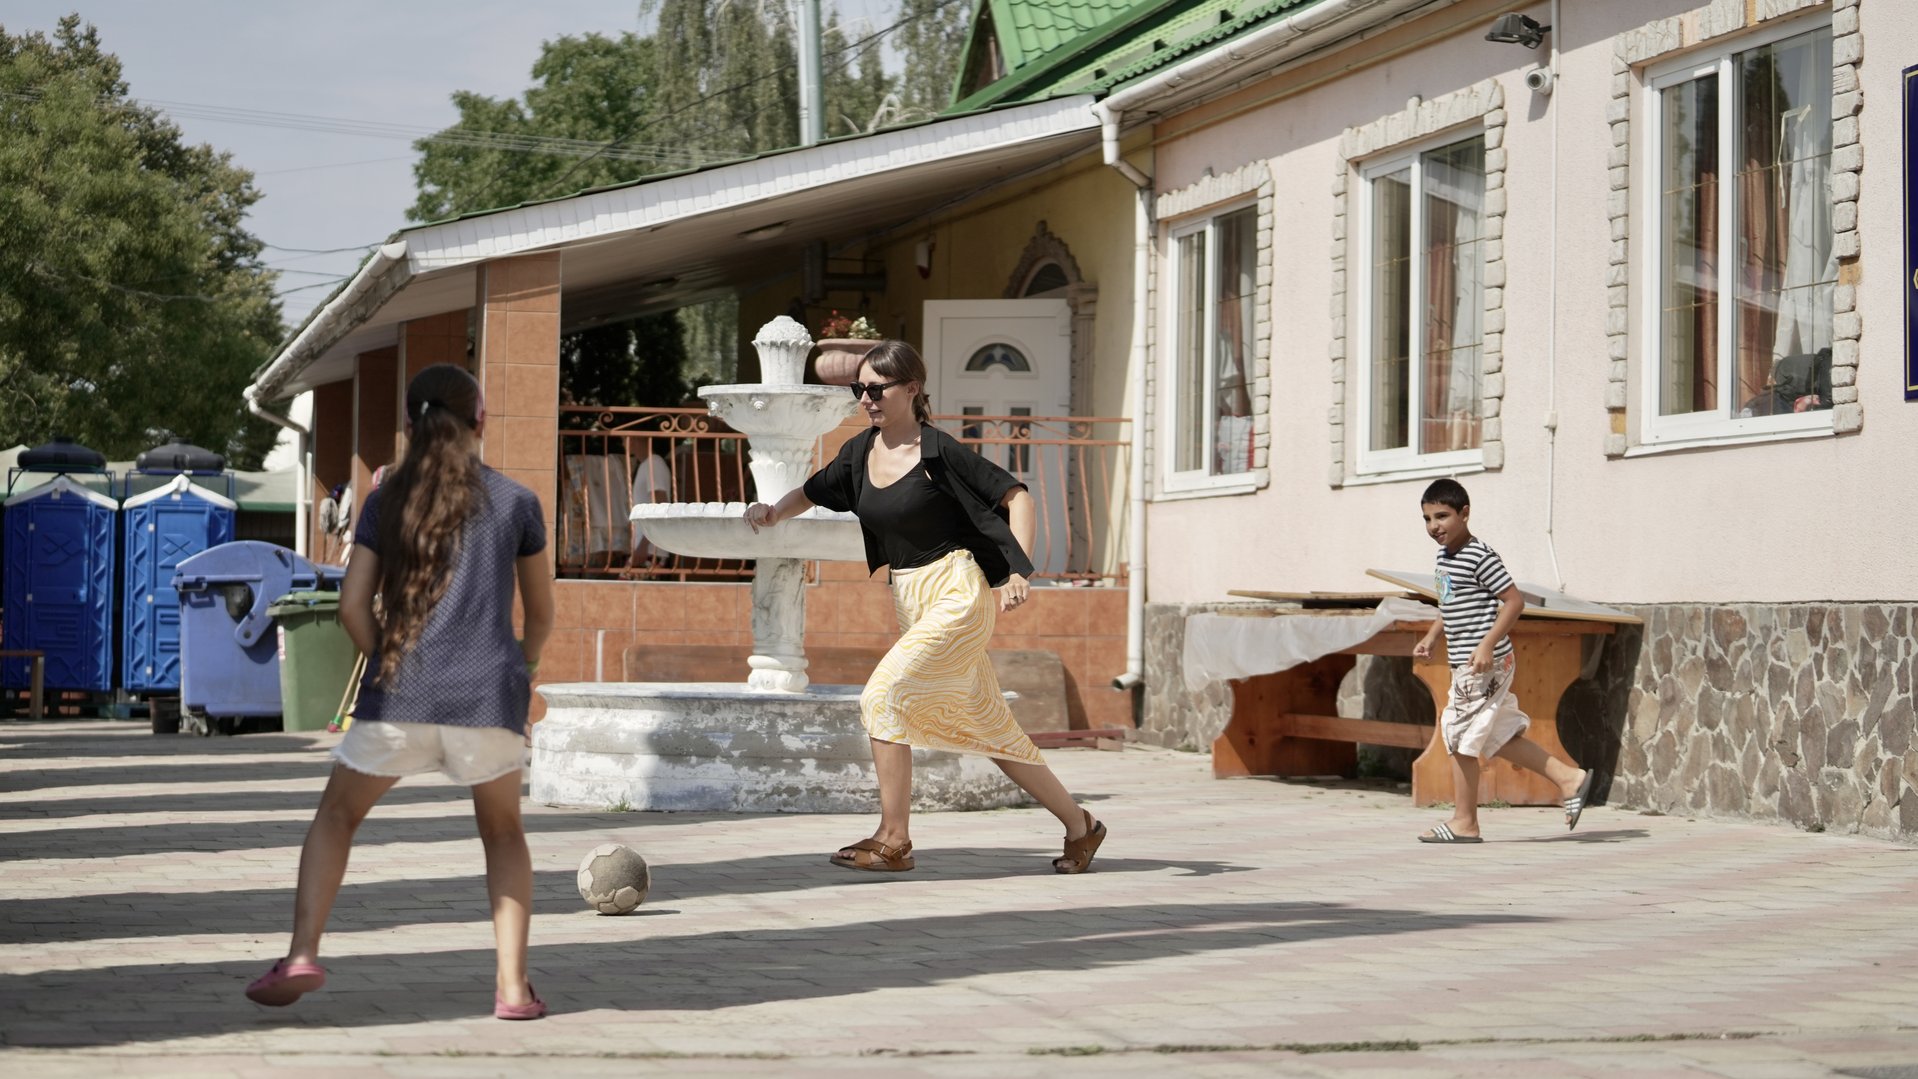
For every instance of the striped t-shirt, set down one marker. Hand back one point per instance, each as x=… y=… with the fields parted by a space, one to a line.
x=1469 y=582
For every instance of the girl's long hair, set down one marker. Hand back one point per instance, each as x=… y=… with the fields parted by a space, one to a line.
x=424 y=506
x=891 y=359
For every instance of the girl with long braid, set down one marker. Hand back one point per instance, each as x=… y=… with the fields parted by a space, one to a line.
x=955 y=530
x=441 y=543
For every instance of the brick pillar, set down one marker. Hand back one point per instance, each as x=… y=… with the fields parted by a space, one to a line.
x=332 y=453
x=423 y=343
x=516 y=356
x=434 y=339
x=376 y=417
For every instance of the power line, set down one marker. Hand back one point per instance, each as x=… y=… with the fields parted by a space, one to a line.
x=319 y=250
x=452 y=136
x=334 y=165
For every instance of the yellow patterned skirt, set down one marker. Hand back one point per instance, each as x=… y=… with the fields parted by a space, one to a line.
x=935 y=688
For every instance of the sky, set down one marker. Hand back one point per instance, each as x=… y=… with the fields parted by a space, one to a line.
x=391 y=61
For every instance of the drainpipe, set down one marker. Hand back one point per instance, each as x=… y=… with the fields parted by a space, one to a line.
x=1551 y=332
x=381 y=275
x=1134 y=673
x=302 y=452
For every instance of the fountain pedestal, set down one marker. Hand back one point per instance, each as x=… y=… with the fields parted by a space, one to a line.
x=716 y=747
x=775 y=743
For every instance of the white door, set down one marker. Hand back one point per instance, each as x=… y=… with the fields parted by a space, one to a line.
x=1010 y=358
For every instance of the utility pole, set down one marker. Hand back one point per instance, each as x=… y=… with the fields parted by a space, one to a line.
x=812 y=105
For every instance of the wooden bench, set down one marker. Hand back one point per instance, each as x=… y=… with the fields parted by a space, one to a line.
x=1280 y=724
x=36 y=680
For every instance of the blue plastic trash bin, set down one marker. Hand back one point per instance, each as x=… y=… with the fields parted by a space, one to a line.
x=229 y=650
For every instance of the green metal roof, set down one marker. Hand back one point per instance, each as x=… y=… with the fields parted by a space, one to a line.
x=1031 y=28
x=1137 y=41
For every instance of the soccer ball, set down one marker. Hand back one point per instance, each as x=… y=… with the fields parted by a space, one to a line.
x=613 y=879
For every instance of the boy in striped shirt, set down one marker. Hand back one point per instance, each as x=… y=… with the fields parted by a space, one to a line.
x=1478 y=606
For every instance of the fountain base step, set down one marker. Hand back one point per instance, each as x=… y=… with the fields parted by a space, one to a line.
x=719 y=747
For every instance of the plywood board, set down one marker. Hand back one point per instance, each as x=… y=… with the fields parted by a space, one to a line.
x=1540 y=602
x=1321 y=599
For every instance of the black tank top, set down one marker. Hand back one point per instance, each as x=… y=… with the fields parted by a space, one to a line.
x=916 y=522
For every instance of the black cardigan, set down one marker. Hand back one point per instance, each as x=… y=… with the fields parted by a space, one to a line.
x=976 y=483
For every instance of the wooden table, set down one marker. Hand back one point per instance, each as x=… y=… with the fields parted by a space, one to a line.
x=1287 y=723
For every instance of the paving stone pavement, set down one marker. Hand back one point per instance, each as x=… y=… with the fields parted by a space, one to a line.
x=1230 y=928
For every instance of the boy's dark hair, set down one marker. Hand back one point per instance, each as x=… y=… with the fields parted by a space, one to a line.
x=1446 y=492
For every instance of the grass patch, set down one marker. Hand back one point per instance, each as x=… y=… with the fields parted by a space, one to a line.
x=621 y=806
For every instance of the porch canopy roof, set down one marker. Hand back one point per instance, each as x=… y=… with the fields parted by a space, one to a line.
x=668 y=241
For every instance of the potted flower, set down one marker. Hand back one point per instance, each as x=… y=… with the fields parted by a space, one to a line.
x=843 y=344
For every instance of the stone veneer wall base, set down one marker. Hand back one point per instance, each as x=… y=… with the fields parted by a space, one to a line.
x=1800 y=713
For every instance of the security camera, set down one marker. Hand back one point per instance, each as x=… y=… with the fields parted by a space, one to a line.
x=1539 y=80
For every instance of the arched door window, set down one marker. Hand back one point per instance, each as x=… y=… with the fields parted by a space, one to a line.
x=999 y=354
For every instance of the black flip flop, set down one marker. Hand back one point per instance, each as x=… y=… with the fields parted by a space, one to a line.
x=1575 y=805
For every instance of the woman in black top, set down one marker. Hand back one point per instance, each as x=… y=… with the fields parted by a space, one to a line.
x=953 y=527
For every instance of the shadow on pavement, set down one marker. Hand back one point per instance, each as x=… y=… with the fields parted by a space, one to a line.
x=134 y=743
x=305 y=766
x=373 y=905
x=142 y=1003
x=1614 y=835
x=127 y=840
x=219 y=801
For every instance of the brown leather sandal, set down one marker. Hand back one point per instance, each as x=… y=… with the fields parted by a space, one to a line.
x=875 y=856
x=1079 y=852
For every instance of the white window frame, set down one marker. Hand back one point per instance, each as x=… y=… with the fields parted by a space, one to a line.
x=1720 y=426
x=1407 y=459
x=1197 y=481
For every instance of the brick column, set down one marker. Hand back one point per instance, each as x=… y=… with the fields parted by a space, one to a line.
x=516 y=357
x=423 y=343
x=434 y=339
x=332 y=450
x=376 y=411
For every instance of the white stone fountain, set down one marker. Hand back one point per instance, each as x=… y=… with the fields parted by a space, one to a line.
x=775 y=743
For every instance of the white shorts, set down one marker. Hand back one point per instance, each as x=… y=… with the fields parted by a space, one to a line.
x=1482 y=712
x=468 y=755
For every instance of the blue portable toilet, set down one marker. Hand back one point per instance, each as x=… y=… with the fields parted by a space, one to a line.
x=160 y=528
x=229 y=650
x=58 y=576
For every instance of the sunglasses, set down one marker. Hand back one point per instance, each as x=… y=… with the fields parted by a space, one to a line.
x=873 y=390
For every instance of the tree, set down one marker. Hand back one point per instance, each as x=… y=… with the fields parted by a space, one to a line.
x=133 y=302
x=857 y=91
x=717 y=80
x=591 y=88
x=931 y=38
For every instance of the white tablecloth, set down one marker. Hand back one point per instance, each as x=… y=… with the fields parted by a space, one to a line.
x=1221 y=646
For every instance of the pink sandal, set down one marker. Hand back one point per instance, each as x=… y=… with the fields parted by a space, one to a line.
x=532 y=1009
x=285 y=983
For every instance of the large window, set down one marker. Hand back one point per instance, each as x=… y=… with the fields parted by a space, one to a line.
x=1215 y=271
x=1421 y=307
x=1739 y=338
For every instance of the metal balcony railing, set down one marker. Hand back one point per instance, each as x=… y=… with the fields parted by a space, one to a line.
x=613 y=458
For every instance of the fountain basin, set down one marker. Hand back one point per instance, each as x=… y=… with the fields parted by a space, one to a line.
x=719 y=530
x=719 y=747
x=802 y=411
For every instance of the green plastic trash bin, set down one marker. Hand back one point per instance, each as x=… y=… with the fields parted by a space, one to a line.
x=316 y=658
